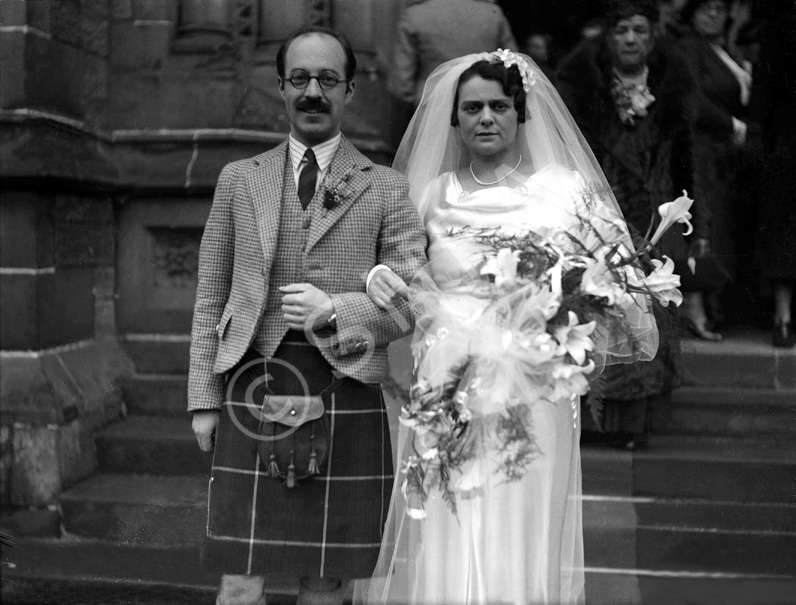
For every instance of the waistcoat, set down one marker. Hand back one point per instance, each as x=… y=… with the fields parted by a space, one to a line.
x=289 y=262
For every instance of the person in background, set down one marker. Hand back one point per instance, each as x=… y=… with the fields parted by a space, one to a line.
x=772 y=104
x=431 y=32
x=593 y=28
x=670 y=22
x=537 y=46
x=720 y=133
x=633 y=98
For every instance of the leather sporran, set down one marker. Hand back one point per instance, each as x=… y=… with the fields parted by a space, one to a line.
x=293 y=437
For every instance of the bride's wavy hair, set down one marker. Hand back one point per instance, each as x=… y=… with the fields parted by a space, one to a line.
x=509 y=78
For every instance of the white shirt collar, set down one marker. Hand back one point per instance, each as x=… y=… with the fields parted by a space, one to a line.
x=324 y=152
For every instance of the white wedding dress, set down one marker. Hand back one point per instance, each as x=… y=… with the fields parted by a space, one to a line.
x=513 y=543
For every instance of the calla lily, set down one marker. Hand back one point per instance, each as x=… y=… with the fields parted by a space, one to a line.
x=674 y=212
x=503 y=267
x=574 y=338
x=662 y=283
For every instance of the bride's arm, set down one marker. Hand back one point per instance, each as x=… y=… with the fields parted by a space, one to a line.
x=384 y=287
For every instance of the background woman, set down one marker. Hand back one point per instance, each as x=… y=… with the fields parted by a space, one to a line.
x=720 y=133
x=633 y=98
x=492 y=146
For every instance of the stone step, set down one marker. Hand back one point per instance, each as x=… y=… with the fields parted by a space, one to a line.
x=102 y=572
x=717 y=468
x=745 y=358
x=138 y=509
x=675 y=467
x=639 y=587
x=151 y=444
x=701 y=410
x=156 y=394
x=703 y=537
x=158 y=353
x=701 y=468
x=618 y=533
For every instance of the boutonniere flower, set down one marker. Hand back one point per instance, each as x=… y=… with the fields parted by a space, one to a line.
x=334 y=196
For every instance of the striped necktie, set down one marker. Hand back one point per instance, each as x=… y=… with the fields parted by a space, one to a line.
x=307 y=178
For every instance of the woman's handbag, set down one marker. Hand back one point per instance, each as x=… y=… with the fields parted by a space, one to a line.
x=293 y=440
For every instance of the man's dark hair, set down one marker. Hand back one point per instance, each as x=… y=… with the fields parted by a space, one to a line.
x=624 y=9
x=509 y=78
x=350 y=59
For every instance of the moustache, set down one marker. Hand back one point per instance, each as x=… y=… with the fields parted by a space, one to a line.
x=313 y=105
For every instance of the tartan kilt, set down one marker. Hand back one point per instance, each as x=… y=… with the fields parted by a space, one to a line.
x=328 y=525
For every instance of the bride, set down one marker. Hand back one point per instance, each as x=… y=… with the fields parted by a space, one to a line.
x=492 y=146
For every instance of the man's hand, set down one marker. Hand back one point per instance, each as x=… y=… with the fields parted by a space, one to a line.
x=204 y=427
x=385 y=288
x=304 y=304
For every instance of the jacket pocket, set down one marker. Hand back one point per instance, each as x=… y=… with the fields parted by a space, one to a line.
x=221 y=328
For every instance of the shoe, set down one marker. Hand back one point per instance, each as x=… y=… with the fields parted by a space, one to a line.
x=784 y=337
x=702 y=333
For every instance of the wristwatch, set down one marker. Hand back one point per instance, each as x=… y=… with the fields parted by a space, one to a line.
x=332 y=321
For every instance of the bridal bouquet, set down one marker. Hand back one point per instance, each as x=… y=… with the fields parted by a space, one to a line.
x=544 y=311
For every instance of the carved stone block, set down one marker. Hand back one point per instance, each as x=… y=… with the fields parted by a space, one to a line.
x=175 y=254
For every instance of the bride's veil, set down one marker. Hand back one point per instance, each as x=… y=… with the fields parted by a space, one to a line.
x=431 y=147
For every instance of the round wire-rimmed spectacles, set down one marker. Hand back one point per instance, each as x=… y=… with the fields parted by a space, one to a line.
x=300 y=80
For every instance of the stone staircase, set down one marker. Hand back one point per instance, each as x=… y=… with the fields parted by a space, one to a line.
x=707 y=514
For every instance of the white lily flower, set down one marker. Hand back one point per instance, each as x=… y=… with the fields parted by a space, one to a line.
x=674 y=212
x=662 y=283
x=549 y=302
x=570 y=380
x=575 y=339
x=503 y=267
x=598 y=280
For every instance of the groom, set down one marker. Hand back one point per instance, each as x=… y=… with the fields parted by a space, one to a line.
x=281 y=308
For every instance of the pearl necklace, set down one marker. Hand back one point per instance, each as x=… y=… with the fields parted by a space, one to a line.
x=487 y=183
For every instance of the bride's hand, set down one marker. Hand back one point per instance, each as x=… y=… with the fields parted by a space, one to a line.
x=386 y=288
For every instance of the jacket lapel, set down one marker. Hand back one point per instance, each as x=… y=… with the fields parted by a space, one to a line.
x=265 y=186
x=344 y=183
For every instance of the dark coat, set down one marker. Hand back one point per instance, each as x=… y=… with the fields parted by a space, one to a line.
x=720 y=94
x=651 y=162
x=772 y=105
x=716 y=157
x=646 y=164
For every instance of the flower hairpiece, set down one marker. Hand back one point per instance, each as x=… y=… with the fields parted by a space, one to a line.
x=510 y=58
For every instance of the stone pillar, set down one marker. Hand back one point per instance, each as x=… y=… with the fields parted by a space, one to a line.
x=58 y=351
x=59 y=359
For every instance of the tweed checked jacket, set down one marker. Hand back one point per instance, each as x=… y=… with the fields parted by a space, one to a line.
x=372 y=221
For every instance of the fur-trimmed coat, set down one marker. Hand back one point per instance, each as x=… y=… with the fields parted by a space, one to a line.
x=650 y=162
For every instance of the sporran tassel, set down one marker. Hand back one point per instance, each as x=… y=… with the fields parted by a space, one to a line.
x=273 y=467
x=312 y=467
x=291 y=471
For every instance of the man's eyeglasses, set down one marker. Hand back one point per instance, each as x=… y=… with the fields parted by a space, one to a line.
x=300 y=80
